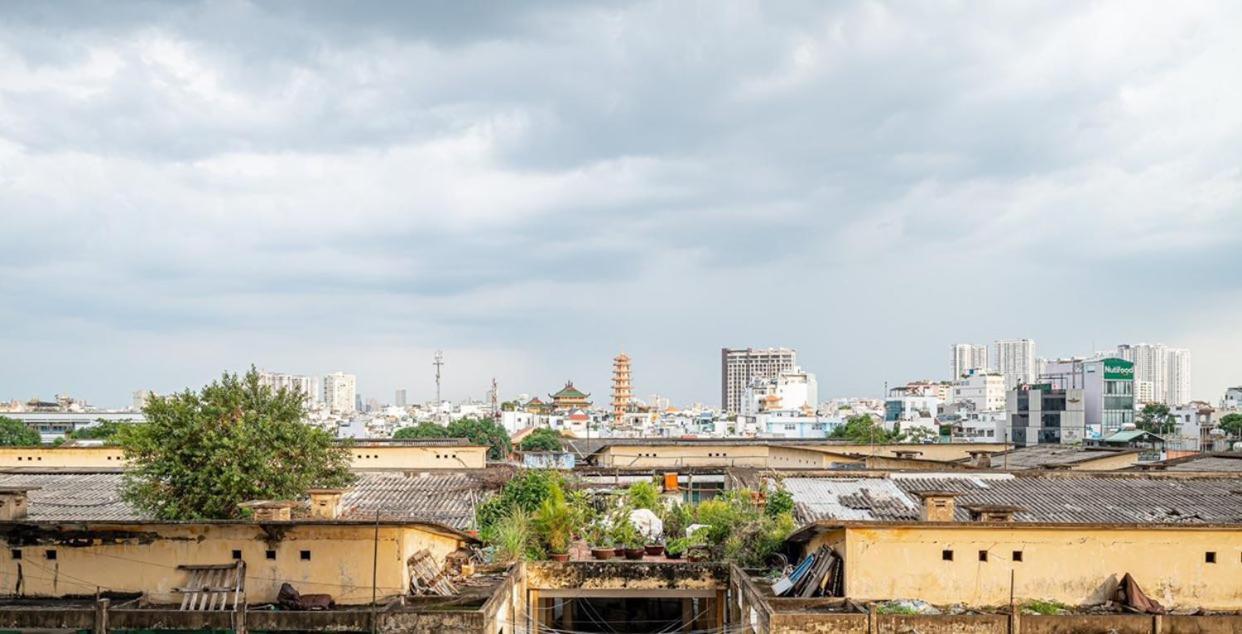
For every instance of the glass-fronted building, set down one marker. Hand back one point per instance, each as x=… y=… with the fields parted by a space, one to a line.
x=1107 y=385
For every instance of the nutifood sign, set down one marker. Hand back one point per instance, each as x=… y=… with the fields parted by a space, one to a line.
x=1118 y=370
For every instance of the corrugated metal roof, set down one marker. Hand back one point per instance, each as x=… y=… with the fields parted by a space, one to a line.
x=1086 y=499
x=73 y=496
x=443 y=498
x=440 y=498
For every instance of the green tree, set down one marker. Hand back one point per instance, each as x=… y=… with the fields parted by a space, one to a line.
x=425 y=429
x=14 y=433
x=105 y=430
x=1231 y=423
x=542 y=439
x=525 y=491
x=863 y=429
x=201 y=454
x=482 y=431
x=1155 y=418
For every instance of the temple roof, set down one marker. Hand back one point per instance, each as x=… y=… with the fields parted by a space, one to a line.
x=569 y=392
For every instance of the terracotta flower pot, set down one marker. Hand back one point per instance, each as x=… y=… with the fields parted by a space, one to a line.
x=655 y=550
x=673 y=555
x=560 y=556
x=635 y=553
x=603 y=553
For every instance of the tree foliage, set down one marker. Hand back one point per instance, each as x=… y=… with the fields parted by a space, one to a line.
x=1156 y=418
x=201 y=454
x=482 y=431
x=863 y=429
x=526 y=491
x=425 y=429
x=14 y=433
x=105 y=430
x=542 y=439
x=1231 y=423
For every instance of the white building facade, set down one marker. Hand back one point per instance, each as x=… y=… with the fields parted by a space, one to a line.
x=985 y=391
x=1015 y=361
x=340 y=393
x=968 y=358
x=302 y=384
x=739 y=367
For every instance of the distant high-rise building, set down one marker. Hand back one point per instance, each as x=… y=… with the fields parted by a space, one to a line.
x=399 y=401
x=621 y=389
x=1166 y=369
x=741 y=366
x=340 y=393
x=292 y=382
x=140 y=399
x=1015 y=360
x=968 y=358
x=1150 y=366
x=1177 y=378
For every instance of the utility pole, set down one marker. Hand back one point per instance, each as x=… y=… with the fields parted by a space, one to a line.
x=439 y=363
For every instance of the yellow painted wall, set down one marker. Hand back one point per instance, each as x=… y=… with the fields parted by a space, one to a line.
x=379 y=457
x=691 y=455
x=799 y=458
x=1073 y=565
x=1108 y=463
x=939 y=451
x=76 y=457
x=398 y=457
x=340 y=561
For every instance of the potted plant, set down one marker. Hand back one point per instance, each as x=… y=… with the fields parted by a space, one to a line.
x=676 y=547
x=654 y=547
x=626 y=536
x=601 y=543
x=555 y=522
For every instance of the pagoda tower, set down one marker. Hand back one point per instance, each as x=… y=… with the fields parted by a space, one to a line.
x=620 y=386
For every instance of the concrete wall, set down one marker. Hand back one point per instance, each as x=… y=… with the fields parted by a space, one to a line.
x=144 y=558
x=1106 y=463
x=364 y=457
x=1074 y=565
x=691 y=455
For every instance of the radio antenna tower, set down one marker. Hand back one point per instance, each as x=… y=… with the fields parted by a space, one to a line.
x=495 y=398
x=439 y=363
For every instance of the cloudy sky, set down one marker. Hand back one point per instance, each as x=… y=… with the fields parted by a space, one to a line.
x=187 y=188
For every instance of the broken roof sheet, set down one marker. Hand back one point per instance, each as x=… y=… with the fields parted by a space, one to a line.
x=1045 y=456
x=1067 y=499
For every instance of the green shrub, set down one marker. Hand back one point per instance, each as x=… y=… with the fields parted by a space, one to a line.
x=527 y=491
x=643 y=495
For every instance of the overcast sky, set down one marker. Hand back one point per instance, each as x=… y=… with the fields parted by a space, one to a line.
x=190 y=188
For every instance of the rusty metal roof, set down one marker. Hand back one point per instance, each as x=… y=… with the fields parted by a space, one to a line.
x=1084 y=499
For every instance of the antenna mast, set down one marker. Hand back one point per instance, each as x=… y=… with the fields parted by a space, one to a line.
x=439 y=363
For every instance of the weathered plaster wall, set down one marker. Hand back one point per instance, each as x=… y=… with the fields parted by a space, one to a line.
x=1073 y=565
x=144 y=558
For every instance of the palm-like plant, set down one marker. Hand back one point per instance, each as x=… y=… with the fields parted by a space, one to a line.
x=555 y=521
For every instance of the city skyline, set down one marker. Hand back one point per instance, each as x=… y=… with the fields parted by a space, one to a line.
x=191 y=188
x=589 y=384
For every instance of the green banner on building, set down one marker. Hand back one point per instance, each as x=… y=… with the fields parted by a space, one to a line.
x=1118 y=370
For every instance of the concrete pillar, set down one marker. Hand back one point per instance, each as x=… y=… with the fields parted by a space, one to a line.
x=567 y=622
x=101 y=616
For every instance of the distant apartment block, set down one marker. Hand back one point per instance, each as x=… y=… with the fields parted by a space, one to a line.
x=1015 y=361
x=968 y=358
x=739 y=367
x=399 y=400
x=292 y=382
x=340 y=393
x=1167 y=370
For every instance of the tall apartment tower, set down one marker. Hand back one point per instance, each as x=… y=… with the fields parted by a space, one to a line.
x=1015 y=360
x=1177 y=377
x=1151 y=368
x=968 y=358
x=399 y=401
x=621 y=389
x=340 y=393
x=740 y=366
x=281 y=381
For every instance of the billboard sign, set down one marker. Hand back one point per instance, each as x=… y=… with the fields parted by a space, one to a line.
x=1118 y=370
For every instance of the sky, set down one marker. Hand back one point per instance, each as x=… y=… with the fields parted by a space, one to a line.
x=191 y=188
